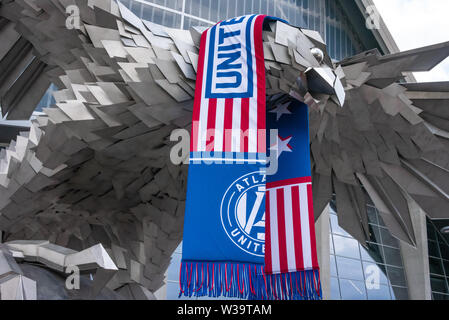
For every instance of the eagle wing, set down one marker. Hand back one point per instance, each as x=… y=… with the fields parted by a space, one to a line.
x=388 y=144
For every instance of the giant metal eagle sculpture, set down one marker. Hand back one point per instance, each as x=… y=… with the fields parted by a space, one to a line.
x=95 y=168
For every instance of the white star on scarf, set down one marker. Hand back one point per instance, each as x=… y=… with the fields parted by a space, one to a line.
x=282 y=145
x=281 y=110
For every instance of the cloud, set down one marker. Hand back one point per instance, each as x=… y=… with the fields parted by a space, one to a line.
x=417 y=23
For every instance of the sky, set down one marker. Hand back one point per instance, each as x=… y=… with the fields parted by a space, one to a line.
x=417 y=23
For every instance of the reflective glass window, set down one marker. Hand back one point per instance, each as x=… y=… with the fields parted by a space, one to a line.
x=352 y=290
x=375 y=273
x=372 y=215
x=438 y=296
x=433 y=249
x=392 y=256
x=346 y=247
x=438 y=263
x=436 y=266
x=376 y=265
x=349 y=269
x=396 y=276
x=333 y=266
x=399 y=293
x=388 y=239
x=381 y=292
x=335 y=289
x=438 y=284
x=372 y=253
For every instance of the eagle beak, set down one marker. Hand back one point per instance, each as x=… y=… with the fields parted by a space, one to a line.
x=323 y=80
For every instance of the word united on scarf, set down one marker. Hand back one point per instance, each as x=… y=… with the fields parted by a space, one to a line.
x=248 y=233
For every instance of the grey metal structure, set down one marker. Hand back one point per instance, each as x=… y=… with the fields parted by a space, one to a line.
x=96 y=167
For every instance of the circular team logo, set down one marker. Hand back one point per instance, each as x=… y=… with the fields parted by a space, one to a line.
x=243 y=213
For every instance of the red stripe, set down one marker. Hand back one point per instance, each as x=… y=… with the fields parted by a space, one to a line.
x=312 y=227
x=297 y=228
x=227 y=137
x=211 y=118
x=284 y=183
x=261 y=103
x=198 y=91
x=244 y=125
x=281 y=230
x=262 y=140
x=268 y=262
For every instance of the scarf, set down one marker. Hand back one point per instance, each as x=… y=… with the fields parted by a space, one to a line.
x=249 y=224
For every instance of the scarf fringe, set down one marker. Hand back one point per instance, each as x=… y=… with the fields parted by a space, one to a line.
x=246 y=281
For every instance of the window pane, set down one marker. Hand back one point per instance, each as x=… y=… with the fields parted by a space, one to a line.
x=223 y=11
x=352 y=290
x=349 y=269
x=372 y=270
x=396 y=276
x=331 y=245
x=214 y=14
x=392 y=257
x=173 y=4
x=379 y=293
x=248 y=6
x=446 y=267
x=438 y=284
x=435 y=266
x=188 y=23
x=346 y=247
x=335 y=289
x=136 y=7
x=444 y=251
x=372 y=253
x=125 y=2
x=431 y=232
x=333 y=266
x=147 y=13
x=240 y=8
x=372 y=215
x=381 y=221
x=438 y=296
x=433 y=249
x=388 y=239
x=157 y=16
x=399 y=293
x=374 y=233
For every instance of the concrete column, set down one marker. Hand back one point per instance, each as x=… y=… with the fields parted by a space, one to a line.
x=322 y=232
x=416 y=260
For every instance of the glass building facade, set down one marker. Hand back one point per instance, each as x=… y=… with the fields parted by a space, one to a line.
x=438 y=262
x=324 y=16
x=373 y=271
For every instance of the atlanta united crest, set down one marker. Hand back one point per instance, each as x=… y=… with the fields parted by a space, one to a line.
x=243 y=213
